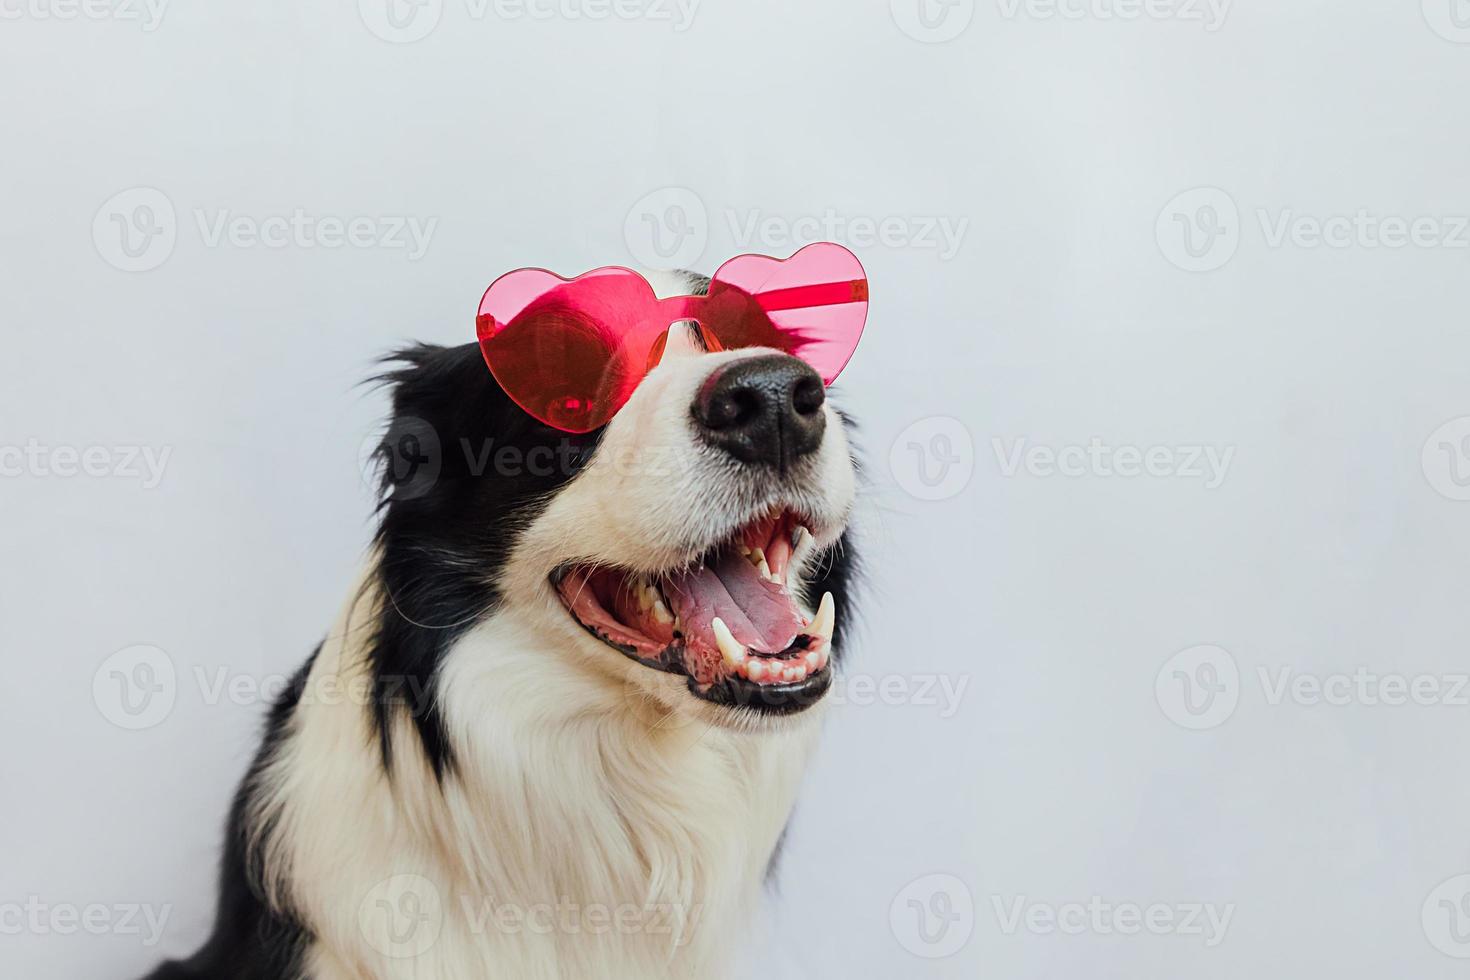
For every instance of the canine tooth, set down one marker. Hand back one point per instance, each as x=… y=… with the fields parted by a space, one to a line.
x=757 y=558
x=755 y=670
x=661 y=612
x=730 y=648
x=821 y=625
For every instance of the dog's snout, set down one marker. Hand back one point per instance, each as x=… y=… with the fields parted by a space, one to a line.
x=763 y=410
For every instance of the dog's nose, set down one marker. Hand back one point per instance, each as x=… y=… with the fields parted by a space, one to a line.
x=764 y=409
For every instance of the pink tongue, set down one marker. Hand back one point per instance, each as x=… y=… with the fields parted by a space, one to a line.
x=759 y=613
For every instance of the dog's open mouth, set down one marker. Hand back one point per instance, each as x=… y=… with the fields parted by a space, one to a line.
x=729 y=622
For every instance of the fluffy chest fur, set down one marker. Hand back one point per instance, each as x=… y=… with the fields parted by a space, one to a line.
x=582 y=832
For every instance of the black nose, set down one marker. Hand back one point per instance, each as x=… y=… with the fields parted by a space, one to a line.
x=763 y=410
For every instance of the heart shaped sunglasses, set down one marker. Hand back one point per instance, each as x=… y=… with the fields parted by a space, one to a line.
x=570 y=352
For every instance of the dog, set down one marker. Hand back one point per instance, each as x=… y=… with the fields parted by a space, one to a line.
x=547 y=736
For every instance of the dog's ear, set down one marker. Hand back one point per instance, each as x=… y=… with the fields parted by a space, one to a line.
x=455 y=430
x=439 y=395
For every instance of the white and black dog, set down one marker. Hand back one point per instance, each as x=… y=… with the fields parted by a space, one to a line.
x=526 y=749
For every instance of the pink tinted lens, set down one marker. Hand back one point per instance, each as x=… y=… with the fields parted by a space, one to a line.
x=812 y=305
x=569 y=352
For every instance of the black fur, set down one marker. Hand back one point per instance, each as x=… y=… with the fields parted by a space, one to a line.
x=463 y=469
x=249 y=942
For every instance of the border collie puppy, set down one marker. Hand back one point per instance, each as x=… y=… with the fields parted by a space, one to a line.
x=547 y=737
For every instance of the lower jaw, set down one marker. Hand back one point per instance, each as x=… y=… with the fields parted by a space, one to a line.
x=734 y=691
x=768 y=699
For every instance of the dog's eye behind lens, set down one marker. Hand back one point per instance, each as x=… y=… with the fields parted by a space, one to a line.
x=561 y=365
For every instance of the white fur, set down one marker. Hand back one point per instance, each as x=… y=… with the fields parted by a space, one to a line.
x=582 y=779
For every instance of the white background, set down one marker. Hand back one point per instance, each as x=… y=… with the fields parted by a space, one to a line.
x=1068 y=311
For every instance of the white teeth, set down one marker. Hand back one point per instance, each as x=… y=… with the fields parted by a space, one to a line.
x=826 y=618
x=756 y=670
x=758 y=559
x=651 y=602
x=813 y=660
x=730 y=648
x=801 y=543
